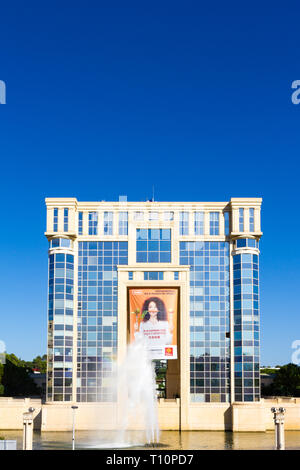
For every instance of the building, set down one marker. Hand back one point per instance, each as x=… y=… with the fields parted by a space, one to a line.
x=40 y=380
x=266 y=379
x=207 y=251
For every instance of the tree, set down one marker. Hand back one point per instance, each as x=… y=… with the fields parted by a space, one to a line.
x=16 y=380
x=287 y=381
x=40 y=363
x=1 y=375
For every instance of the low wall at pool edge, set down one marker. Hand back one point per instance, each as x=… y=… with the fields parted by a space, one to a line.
x=238 y=417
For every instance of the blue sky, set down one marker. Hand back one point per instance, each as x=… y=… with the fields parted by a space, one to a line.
x=108 y=98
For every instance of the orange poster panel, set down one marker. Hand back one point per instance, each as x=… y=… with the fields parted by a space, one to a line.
x=153 y=314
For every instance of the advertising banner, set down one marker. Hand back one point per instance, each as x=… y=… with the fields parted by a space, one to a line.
x=153 y=314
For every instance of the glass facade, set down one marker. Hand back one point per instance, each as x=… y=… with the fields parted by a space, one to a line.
x=209 y=319
x=214 y=221
x=108 y=223
x=183 y=223
x=60 y=327
x=246 y=327
x=153 y=276
x=199 y=223
x=60 y=243
x=153 y=245
x=55 y=219
x=66 y=220
x=241 y=220
x=139 y=216
x=227 y=223
x=247 y=242
x=153 y=215
x=123 y=223
x=80 y=223
x=97 y=317
x=251 y=219
x=93 y=223
x=168 y=215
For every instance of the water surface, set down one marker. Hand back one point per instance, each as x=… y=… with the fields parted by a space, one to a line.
x=169 y=440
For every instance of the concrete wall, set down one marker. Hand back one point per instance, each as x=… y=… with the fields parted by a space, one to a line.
x=292 y=414
x=12 y=409
x=238 y=417
x=208 y=417
x=59 y=417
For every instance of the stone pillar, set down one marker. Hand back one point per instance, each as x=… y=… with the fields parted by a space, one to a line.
x=279 y=427
x=28 y=429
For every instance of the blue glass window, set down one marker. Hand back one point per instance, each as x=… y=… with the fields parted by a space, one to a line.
x=153 y=215
x=227 y=223
x=168 y=216
x=241 y=243
x=139 y=216
x=55 y=219
x=199 y=223
x=80 y=223
x=123 y=223
x=214 y=223
x=108 y=223
x=251 y=219
x=247 y=242
x=93 y=223
x=241 y=219
x=60 y=242
x=153 y=245
x=183 y=223
x=153 y=276
x=252 y=243
x=66 y=220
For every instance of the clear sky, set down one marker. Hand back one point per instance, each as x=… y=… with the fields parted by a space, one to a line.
x=108 y=98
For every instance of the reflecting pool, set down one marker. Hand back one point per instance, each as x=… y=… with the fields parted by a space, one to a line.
x=169 y=440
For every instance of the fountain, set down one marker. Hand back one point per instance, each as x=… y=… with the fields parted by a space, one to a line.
x=137 y=388
x=133 y=382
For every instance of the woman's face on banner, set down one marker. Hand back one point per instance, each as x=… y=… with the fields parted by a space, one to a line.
x=152 y=309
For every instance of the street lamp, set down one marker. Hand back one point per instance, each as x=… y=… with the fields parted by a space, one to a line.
x=279 y=427
x=73 y=434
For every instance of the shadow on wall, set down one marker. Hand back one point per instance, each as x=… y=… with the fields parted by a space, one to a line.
x=37 y=421
x=228 y=419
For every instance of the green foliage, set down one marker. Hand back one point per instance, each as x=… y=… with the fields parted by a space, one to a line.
x=1 y=375
x=14 y=376
x=40 y=363
x=161 y=372
x=268 y=371
x=286 y=382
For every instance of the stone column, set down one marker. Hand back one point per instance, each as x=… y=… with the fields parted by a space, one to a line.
x=28 y=429
x=279 y=427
